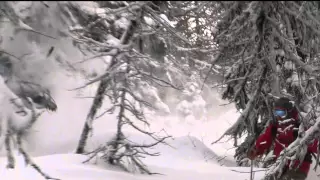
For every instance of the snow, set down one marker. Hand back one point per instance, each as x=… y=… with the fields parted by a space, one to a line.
x=165 y=18
x=24 y=26
x=195 y=105
x=278 y=68
x=11 y=104
x=150 y=94
x=289 y=65
x=75 y=28
x=90 y=7
x=54 y=137
x=190 y=156
x=53 y=141
x=149 y=21
x=187 y=164
x=295 y=79
x=112 y=41
x=21 y=6
x=122 y=23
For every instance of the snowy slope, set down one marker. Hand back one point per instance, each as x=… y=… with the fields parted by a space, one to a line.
x=55 y=138
x=184 y=161
x=70 y=167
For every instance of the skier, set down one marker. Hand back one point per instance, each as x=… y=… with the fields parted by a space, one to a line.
x=283 y=133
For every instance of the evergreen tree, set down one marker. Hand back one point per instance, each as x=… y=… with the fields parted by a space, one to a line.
x=274 y=51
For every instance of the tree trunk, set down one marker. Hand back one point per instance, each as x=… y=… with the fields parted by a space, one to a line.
x=97 y=103
x=98 y=99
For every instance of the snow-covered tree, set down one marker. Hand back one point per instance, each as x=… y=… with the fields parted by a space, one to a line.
x=24 y=95
x=273 y=50
x=195 y=20
x=18 y=114
x=132 y=38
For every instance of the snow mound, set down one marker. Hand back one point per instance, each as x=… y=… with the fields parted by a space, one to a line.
x=70 y=167
x=182 y=148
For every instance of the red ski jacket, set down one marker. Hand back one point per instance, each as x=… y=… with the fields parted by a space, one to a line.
x=284 y=137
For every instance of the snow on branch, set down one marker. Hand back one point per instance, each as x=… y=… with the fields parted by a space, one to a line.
x=284 y=36
x=120 y=151
x=119 y=84
x=17 y=119
x=103 y=86
x=165 y=24
x=234 y=129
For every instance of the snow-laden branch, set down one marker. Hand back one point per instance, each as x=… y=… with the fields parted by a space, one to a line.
x=106 y=76
x=233 y=130
x=165 y=24
x=111 y=70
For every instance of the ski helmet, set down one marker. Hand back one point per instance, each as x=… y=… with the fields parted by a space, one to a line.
x=283 y=103
x=283 y=108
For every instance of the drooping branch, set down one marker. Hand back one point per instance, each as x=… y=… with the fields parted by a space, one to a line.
x=233 y=130
x=284 y=36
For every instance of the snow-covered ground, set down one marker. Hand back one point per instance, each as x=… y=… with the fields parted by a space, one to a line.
x=184 y=161
x=55 y=136
x=53 y=139
x=70 y=167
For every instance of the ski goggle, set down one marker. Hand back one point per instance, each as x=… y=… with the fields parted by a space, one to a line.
x=280 y=113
